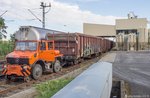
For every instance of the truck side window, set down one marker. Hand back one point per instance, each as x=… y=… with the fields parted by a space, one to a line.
x=43 y=46
x=50 y=45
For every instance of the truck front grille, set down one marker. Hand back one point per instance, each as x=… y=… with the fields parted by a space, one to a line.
x=19 y=61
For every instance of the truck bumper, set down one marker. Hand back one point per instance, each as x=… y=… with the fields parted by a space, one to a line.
x=17 y=70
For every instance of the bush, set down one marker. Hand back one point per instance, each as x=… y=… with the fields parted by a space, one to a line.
x=5 y=48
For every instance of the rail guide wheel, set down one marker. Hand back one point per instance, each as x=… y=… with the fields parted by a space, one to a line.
x=37 y=71
x=27 y=79
x=7 y=79
x=57 y=67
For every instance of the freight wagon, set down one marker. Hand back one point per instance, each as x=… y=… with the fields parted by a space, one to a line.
x=76 y=46
x=107 y=45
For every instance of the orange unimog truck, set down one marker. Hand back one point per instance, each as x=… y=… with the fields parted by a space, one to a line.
x=33 y=54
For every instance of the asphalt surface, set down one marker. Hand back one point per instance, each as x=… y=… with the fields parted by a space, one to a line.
x=134 y=68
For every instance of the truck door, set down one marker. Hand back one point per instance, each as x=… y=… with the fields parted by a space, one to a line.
x=42 y=51
x=51 y=51
x=46 y=53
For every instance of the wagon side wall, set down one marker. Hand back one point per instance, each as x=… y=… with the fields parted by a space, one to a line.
x=78 y=46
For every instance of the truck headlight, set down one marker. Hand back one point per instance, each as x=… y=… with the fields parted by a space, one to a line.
x=25 y=67
x=4 y=66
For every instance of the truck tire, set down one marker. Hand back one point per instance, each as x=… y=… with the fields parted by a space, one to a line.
x=57 y=67
x=37 y=71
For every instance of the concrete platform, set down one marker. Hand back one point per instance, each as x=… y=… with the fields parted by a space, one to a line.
x=110 y=57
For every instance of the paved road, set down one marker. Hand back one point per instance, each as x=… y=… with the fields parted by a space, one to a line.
x=134 y=67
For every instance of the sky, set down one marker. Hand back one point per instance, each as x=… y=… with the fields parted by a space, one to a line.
x=69 y=15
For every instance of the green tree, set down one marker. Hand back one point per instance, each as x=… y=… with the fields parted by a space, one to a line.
x=12 y=42
x=12 y=37
x=1 y=37
x=2 y=28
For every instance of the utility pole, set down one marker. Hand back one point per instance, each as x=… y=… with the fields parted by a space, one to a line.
x=43 y=5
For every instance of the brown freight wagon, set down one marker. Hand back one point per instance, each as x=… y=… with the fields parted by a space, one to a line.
x=103 y=48
x=110 y=45
x=104 y=45
x=107 y=45
x=76 y=47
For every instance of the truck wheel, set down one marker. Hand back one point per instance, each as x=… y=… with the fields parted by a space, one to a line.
x=57 y=67
x=37 y=71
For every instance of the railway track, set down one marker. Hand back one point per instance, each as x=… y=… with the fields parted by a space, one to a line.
x=13 y=87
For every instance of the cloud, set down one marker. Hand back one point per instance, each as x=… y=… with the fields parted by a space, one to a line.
x=72 y=15
x=60 y=14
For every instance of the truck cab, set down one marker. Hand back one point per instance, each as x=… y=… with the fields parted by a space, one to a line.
x=32 y=57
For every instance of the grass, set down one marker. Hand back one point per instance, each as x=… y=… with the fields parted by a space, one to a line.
x=48 y=89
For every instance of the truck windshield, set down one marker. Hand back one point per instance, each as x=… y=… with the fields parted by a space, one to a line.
x=26 y=46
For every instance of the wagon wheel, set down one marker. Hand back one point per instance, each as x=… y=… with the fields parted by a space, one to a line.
x=75 y=62
x=81 y=60
x=57 y=67
x=37 y=71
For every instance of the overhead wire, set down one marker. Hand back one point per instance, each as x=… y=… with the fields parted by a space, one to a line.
x=34 y=15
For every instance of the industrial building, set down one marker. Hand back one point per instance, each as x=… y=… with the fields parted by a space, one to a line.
x=131 y=33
